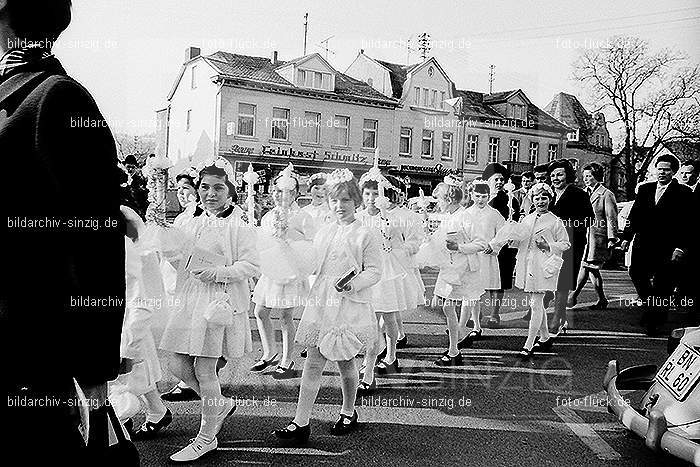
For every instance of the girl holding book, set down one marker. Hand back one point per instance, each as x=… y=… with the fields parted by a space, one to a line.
x=338 y=321
x=541 y=239
x=210 y=319
x=285 y=238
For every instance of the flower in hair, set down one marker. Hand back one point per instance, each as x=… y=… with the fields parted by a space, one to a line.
x=452 y=181
x=220 y=163
x=339 y=176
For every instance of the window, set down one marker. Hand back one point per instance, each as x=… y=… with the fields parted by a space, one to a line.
x=280 y=123
x=301 y=77
x=517 y=111
x=433 y=103
x=188 y=120
x=369 y=133
x=552 y=152
x=442 y=99
x=446 y=145
x=533 y=152
x=318 y=80
x=327 y=82
x=312 y=127
x=246 y=119
x=405 y=141
x=426 y=97
x=193 y=77
x=417 y=95
x=514 y=149
x=342 y=130
x=494 y=144
x=472 y=146
x=427 y=146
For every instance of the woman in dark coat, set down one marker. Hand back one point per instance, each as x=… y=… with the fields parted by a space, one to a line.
x=602 y=235
x=496 y=174
x=573 y=206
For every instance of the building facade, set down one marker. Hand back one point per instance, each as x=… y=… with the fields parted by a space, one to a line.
x=269 y=113
x=588 y=141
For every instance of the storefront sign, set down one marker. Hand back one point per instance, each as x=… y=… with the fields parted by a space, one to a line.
x=437 y=169
x=292 y=154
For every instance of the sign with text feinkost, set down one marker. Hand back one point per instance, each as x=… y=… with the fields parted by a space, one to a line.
x=309 y=155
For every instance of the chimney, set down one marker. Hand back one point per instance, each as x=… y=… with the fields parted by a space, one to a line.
x=362 y=51
x=274 y=57
x=192 y=52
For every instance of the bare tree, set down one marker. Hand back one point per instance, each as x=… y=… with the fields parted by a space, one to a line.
x=653 y=95
x=138 y=145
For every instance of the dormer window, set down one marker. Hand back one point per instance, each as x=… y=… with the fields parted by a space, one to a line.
x=516 y=111
x=314 y=79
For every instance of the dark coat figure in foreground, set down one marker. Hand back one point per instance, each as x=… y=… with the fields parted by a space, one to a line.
x=62 y=299
x=659 y=222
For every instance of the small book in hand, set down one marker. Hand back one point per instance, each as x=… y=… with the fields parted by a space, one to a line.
x=204 y=259
x=345 y=280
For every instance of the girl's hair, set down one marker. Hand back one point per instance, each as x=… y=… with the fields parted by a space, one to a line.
x=370 y=185
x=541 y=188
x=395 y=195
x=452 y=192
x=482 y=188
x=350 y=187
x=296 y=182
x=218 y=172
x=189 y=179
x=596 y=170
x=316 y=182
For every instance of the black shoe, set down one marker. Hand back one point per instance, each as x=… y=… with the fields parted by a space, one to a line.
x=545 y=346
x=180 y=394
x=402 y=343
x=345 y=425
x=284 y=373
x=446 y=360
x=261 y=364
x=385 y=368
x=493 y=322
x=600 y=305
x=469 y=339
x=525 y=354
x=527 y=316
x=294 y=433
x=303 y=353
x=149 y=430
x=365 y=389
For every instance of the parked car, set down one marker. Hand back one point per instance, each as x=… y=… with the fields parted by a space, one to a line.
x=668 y=415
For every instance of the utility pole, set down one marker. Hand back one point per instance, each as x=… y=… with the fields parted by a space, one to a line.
x=491 y=73
x=424 y=45
x=306 y=28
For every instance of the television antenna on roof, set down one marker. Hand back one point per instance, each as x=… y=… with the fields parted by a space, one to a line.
x=325 y=46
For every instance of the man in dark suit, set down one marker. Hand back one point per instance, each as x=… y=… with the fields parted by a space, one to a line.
x=573 y=206
x=659 y=223
x=62 y=299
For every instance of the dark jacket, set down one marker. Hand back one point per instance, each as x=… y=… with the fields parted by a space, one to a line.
x=658 y=229
x=574 y=208
x=59 y=169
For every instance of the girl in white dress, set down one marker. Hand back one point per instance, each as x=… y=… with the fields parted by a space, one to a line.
x=459 y=279
x=283 y=287
x=144 y=297
x=390 y=295
x=338 y=320
x=487 y=221
x=210 y=319
x=541 y=239
x=318 y=209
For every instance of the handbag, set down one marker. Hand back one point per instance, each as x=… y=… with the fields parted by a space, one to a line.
x=219 y=312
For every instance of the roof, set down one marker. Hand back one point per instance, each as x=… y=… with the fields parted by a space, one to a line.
x=567 y=109
x=397 y=75
x=478 y=105
x=260 y=72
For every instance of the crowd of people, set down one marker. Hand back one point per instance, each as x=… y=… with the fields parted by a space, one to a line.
x=350 y=263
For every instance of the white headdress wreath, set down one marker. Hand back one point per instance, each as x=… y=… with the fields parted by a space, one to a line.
x=338 y=176
x=287 y=179
x=220 y=163
x=191 y=172
x=375 y=175
x=320 y=175
x=538 y=187
x=452 y=181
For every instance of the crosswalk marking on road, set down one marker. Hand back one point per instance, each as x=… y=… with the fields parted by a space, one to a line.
x=587 y=434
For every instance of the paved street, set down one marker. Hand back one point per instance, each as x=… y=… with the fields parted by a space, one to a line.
x=495 y=410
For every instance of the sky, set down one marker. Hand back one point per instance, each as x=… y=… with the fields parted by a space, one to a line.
x=128 y=52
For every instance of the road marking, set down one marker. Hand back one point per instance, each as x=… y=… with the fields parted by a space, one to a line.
x=289 y=451
x=587 y=434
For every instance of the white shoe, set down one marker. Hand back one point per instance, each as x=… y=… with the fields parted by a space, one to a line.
x=193 y=451
x=228 y=409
